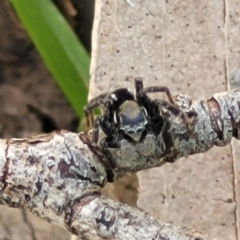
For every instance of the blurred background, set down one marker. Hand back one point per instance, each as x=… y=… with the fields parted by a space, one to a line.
x=31 y=101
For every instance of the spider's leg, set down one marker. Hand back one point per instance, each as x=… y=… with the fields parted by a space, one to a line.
x=95 y=134
x=154 y=107
x=144 y=100
x=179 y=112
x=160 y=89
x=107 y=121
x=96 y=102
x=116 y=98
x=138 y=85
x=109 y=102
x=87 y=117
x=173 y=109
x=119 y=96
x=153 y=89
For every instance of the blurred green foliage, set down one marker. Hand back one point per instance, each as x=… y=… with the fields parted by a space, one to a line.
x=60 y=48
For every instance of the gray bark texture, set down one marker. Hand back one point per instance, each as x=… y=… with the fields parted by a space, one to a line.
x=59 y=178
x=192 y=47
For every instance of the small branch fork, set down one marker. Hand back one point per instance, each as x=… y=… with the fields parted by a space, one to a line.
x=59 y=177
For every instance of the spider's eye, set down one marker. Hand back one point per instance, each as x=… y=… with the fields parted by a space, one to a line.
x=130 y=132
x=139 y=130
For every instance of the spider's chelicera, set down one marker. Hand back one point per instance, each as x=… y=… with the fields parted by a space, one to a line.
x=134 y=126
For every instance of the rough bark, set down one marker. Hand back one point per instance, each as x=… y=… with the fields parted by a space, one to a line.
x=59 y=178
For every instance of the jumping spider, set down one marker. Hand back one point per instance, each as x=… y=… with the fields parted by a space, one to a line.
x=137 y=128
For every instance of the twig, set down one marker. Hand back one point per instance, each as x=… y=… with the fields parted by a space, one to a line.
x=59 y=178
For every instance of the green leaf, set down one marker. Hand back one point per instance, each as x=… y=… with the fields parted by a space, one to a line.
x=64 y=55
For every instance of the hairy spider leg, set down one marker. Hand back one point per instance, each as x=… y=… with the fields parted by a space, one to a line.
x=156 y=120
x=141 y=95
x=106 y=121
x=95 y=134
x=173 y=108
x=96 y=102
x=154 y=106
x=154 y=89
x=109 y=102
x=88 y=115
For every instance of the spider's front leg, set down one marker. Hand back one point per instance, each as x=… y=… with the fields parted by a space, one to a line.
x=96 y=102
x=109 y=121
x=104 y=122
x=141 y=92
x=109 y=102
x=154 y=106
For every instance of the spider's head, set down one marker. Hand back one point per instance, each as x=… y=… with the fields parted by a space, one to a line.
x=132 y=119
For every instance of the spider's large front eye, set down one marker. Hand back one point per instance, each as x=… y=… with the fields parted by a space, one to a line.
x=130 y=132
x=139 y=130
x=135 y=133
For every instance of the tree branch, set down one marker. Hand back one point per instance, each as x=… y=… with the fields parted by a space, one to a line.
x=59 y=178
